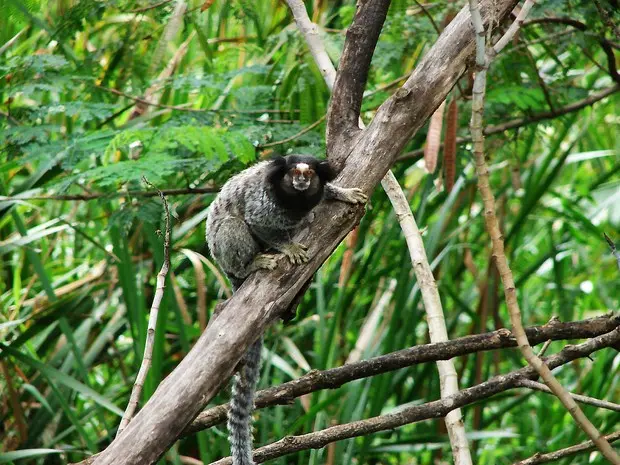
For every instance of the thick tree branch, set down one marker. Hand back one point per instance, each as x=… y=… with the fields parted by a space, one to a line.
x=353 y=69
x=434 y=409
x=267 y=295
x=336 y=377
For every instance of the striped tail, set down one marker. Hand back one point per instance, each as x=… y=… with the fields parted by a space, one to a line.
x=242 y=406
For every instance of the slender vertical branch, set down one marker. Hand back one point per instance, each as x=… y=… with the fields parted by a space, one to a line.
x=484 y=57
x=136 y=391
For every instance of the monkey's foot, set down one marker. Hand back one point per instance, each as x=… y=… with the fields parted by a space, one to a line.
x=295 y=252
x=263 y=261
x=353 y=195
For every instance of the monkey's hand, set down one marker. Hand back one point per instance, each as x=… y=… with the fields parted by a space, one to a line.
x=296 y=252
x=352 y=195
x=263 y=261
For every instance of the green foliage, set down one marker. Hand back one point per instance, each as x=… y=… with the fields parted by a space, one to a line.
x=236 y=83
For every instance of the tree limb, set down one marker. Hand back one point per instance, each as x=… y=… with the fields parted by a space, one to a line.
x=336 y=377
x=434 y=409
x=566 y=452
x=348 y=91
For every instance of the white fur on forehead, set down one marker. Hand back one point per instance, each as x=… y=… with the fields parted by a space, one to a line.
x=302 y=167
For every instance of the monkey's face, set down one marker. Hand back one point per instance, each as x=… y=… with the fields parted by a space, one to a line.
x=301 y=176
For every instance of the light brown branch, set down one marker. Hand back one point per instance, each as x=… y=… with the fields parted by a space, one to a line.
x=536 y=386
x=566 y=452
x=150 y=334
x=434 y=409
x=336 y=377
x=484 y=56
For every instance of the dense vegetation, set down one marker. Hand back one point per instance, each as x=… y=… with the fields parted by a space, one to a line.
x=96 y=95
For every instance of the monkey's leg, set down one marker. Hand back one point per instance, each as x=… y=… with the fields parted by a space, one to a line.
x=237 y=252
x=352 y=195
x=280 y=240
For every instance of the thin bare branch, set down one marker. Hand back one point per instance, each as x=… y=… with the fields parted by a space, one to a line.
x=425 y=353
x=535 y=385
x=150 y=335
x=539 y=458
x=434 y=409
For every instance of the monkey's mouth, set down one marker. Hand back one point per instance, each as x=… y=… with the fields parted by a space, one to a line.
x=301 y=185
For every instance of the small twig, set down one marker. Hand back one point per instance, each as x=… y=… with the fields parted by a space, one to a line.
x=150 y=335
x=295 y=136
x=429 y=410
x=535 y=385
x=149 y=7
x=99 y=195
x=151 y=103
x=612 y=246
x=544 y=348
x=566 y=452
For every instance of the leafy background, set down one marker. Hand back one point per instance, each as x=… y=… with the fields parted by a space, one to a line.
x=235 y=83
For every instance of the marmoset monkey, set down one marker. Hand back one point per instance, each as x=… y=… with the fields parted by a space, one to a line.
x=258 y=210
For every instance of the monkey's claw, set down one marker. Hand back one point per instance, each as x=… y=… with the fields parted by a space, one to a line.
x=355 y=195
x=265 y=262
x=296 y=253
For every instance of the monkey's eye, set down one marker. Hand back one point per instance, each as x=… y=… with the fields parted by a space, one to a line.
x=310 y=173
x=296 y=172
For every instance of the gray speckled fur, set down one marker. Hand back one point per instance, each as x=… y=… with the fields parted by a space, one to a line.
x=244 y=220
x=244 y=211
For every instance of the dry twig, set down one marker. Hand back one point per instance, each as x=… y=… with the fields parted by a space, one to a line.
x=150 y=335
x=429 y=410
